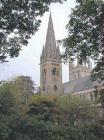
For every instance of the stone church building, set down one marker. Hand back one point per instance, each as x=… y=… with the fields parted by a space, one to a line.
x=79 y=83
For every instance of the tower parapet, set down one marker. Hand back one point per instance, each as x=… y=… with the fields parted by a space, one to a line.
x=80 y=70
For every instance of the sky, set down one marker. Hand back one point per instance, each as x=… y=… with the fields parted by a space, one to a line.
x=28 y=62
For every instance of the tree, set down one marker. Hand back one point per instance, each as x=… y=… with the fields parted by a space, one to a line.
x=86 y=34
x=7 y=110
x=44 y=120
x=19 y=19
x=6 y=99
x=99 y=96
x=66 y=110
x=26 y=130
x=77 y=111
x=46 y=109
x=22 y=87
x=98 y=71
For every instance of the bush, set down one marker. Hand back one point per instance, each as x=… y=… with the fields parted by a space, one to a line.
x=47 y=118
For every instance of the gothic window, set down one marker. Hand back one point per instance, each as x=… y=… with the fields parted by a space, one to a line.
x=91 y=96
x=43 y=88
x=54 y=71
x=55 y=88
x=44 y=75
x=44 y=71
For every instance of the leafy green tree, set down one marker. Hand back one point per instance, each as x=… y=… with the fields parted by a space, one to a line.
x=27 y=130
x=46 y=109
x=86 y=34
x=77 y=111
x=47 y=131
x=7 y=110
x=24 y=87
x=63 y=110
x=98 y=71
x=44 y=120
x=6 y=99
x=99 y=95
x=84 y=30
x=19 y=19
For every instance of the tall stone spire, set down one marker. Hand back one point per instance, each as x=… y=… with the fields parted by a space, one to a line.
x=50 y=51
x=50 y=38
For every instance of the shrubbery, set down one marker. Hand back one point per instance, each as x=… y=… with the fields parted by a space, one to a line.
x=47 y=118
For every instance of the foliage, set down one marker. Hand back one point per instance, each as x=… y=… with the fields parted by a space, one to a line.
x=46 y=118
x=7 y=110
x=19 y=19
x=20 y=90
x=78 y=111
x=6 y=99
x=86 y=34
x=99 y=95
x=24 y=87
x=98 y=71
x=48 y=131
x=83 y=31
x=46 y=109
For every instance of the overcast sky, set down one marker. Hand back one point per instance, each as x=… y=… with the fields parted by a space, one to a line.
x=28 y=61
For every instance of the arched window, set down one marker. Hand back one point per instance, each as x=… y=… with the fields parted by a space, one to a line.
x=43 y=88
x=91 y=97
x=55 y=71
x=55 y=88
x=44 y=75
x=44 y=70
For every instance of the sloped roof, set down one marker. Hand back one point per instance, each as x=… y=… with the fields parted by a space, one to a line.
x=78 y=85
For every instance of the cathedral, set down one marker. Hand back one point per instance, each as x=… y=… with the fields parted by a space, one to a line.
x=80 y=83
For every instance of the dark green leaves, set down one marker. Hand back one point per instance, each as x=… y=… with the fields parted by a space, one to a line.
x=19 y=19
x=83 y=30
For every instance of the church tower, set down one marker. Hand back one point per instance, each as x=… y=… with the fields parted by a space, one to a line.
x=80 y=70
x=50 y=65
